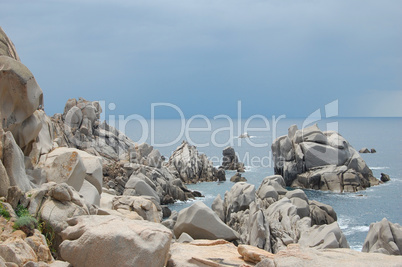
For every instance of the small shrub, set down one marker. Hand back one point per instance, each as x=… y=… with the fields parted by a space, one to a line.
x=50 y=235
x=27 y=224
x=21 y=211
x=4 y=212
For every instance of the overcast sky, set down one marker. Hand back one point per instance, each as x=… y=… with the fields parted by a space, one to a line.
x=277 y=57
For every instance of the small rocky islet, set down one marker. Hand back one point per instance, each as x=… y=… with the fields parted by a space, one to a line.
x=75 y=191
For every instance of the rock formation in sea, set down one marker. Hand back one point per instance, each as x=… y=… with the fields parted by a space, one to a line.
x=230 y=160
x=237 y=177
x=310 y=158
x=191 y=167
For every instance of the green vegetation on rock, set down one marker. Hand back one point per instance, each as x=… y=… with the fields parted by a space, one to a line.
x=4 y=212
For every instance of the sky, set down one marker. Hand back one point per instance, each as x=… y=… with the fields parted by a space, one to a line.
x=283 y=57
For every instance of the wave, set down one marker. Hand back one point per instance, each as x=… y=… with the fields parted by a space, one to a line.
x=356 y=247
x=249 y=137
x=378 y=168
x=347 y=231
x=343 y=223
x=251 y=168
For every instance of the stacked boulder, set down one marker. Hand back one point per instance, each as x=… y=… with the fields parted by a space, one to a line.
x=146 y=174
x=79 y=126
x=310 y=158
x=272 y=217
x=230 y=160
x=191 y=167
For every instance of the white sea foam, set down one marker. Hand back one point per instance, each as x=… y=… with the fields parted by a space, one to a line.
x=378 y=168
x=209 y=196
x=343 y=223
x=352 y=230
x=251 y=168
x=356 y=247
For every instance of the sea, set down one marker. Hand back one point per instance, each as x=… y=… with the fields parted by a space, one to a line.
x=355 y=211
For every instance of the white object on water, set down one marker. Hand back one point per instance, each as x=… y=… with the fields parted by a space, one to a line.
x=245 y=135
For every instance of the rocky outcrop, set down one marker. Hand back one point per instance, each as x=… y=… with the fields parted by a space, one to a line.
x=146 y=208
x=221 y=253
x=54 y=204
x=75 y=147
x=191 y=167
x=200 y=222
x=384 y=237
x=136 y=179
x=16 y=248
x=238 y=199
x=272 y=217
x=323 y=236
x=238 y=178
x=385 y=178
x=20 y=97
x=204 y=253
x=79 y=127
x=77 y=168
x=230 y=160
x=115 y=241
x=253 y=254
x=310 y=158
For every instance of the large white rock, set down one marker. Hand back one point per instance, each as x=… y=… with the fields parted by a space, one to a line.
x=276 y=181
x=284 y=223
x=217 y=207
x=90 y=193
x=26 y=133
x=93 y=169
x=17 y=251
x=295 y=255
x=13 y=160
x=141 y=188
x=106 y=201
x=77 y=168
x=238 y=198
x=44 y=143
x=310 y=158
x=384 y=237
x=324 y=236
x=200 y=222
x=74 y=117
x=114 y=241
x=205 y=253
x=56 y=213
x=258 y=228
x=20 y=95
x=191 y=167
x=143 y=206
x=65 y=165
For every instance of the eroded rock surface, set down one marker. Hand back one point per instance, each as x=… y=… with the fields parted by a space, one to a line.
x=115 y=241
x=310 y=158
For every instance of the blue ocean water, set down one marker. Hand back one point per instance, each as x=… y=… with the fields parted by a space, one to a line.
x=355 y=210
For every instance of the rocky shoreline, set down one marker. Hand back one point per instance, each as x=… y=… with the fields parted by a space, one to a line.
x=75 y=191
